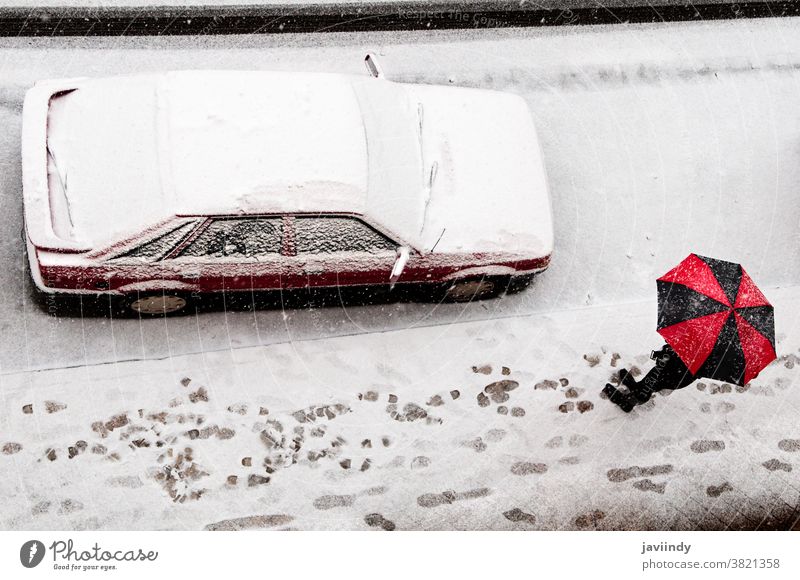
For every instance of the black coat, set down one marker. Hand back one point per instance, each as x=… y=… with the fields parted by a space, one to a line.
x=669 y=372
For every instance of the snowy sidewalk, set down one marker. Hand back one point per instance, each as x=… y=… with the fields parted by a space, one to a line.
x=482 y=425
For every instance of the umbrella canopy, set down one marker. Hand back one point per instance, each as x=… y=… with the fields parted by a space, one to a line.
x=716 y=319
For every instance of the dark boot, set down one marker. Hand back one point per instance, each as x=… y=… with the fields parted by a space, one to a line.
x=622 y=400
x=641 y=393
x=625 y=378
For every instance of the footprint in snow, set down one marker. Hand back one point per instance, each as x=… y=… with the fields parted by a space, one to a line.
x=378 y=521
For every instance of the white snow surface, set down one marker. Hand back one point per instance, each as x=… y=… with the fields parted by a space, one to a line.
x=133 y=151
x=486 y=181
x=205 y=143
x=486 y=425
x=658 y=140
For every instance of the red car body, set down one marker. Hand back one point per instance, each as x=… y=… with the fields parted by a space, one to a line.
x=115 y=270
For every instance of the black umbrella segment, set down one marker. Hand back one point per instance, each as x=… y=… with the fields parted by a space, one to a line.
x=713 y=315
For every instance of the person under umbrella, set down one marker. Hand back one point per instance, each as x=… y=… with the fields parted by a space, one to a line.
x=717 y=325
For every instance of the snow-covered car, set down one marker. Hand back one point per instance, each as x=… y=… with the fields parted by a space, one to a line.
x=159 y=188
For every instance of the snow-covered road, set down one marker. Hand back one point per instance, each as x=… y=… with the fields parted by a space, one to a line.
x=658 y=141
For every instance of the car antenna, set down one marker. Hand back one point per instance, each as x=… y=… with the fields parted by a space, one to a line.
x=438 y=240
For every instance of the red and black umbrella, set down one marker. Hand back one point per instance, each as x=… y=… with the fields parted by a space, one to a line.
x=716 y=319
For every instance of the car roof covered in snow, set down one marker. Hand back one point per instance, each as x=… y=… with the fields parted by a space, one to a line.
x=132 y=151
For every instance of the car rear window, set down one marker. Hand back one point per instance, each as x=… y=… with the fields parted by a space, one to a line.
x=240 y=238
x=321 y=235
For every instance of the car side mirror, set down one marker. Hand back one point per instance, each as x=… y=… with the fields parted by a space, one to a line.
x=403 y=253
x=373 y=67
